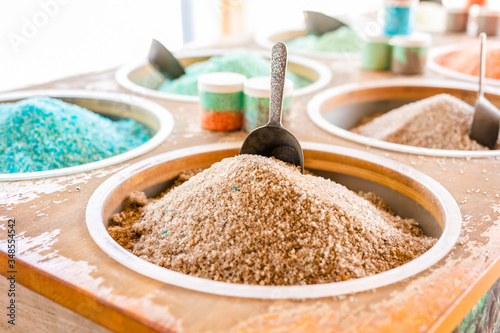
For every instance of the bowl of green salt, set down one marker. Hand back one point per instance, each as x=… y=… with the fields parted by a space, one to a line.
x=343 y=43
x=50 y=133
x=143 y=79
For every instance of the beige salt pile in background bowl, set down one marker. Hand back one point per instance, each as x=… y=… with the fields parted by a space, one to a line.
x=440 y=122
x=417 y=116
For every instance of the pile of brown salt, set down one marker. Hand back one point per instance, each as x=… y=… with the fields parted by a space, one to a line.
x=256 y=220
x=440 y=122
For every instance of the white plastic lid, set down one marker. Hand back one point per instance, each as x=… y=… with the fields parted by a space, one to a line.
x=476 y=10
x=418 y=39
x=260 y=87
x=221 y=82
x=378 y=39
x=400 y=3
x=457 y=10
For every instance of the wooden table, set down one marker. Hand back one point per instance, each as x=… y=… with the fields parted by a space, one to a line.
x=56 y=257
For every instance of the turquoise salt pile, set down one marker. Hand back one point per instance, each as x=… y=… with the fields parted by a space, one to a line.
x=248 y=63
x=343 y=39
x=42 y=133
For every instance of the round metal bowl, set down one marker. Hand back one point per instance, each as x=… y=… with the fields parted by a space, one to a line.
x=410 y=193
x=143 y=79
x=339 y=109
x=112 y=105
x=438 y=53
x=267 y=40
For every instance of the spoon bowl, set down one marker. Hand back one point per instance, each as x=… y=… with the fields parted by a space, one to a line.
x=318 y=23
x=164 y=61
x=486 y=122
x=272 y=139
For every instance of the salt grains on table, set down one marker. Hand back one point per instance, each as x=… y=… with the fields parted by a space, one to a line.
x=440 y=122
x=257 y=220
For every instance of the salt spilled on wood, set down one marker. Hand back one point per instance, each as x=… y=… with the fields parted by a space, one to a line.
x=256 y=220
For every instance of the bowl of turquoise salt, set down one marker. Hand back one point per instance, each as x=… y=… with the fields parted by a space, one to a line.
x=142 y=78
x=48 y=133
x=342 y=43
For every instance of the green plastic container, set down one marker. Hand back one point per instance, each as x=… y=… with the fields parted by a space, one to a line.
x=409 y=53
x=376 y=54
x=221 y=100
x=256 y=101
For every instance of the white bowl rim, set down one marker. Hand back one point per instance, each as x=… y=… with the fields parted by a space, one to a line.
x=434 y=66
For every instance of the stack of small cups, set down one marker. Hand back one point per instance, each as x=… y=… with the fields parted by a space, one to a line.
x=230 y=101
x=399 y=48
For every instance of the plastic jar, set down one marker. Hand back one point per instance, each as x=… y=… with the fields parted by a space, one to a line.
x=483 y=19
x=221 y=100
x=400 y=17
x=256 y=101
x=376 y=53
x=456 y=19
x=409 y=53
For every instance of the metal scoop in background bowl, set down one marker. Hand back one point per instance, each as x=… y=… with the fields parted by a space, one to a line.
x=272 y=139
x=318 y=23
x=486 y=122
x=164 y=61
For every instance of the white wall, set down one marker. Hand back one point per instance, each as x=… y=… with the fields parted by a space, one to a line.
x=42 y=40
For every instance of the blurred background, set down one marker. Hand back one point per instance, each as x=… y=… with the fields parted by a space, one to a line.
x=43 y=40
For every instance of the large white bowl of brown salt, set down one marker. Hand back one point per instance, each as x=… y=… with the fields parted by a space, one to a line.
x=419 y=116
x=208 y=219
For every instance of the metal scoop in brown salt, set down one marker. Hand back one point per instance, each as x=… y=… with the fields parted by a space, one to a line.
x=273 y=139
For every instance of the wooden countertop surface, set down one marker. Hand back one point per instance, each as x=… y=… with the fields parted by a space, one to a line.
x=57 y=258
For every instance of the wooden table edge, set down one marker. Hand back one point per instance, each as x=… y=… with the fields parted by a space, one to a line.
x=457 y=311
x=77 y=300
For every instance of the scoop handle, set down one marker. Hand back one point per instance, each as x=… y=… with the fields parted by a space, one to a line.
x=482 y=63
x=278 y=72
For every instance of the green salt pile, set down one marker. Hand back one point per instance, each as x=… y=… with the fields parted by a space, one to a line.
x=248 y=63
x=343 y=39
x=42 y=133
